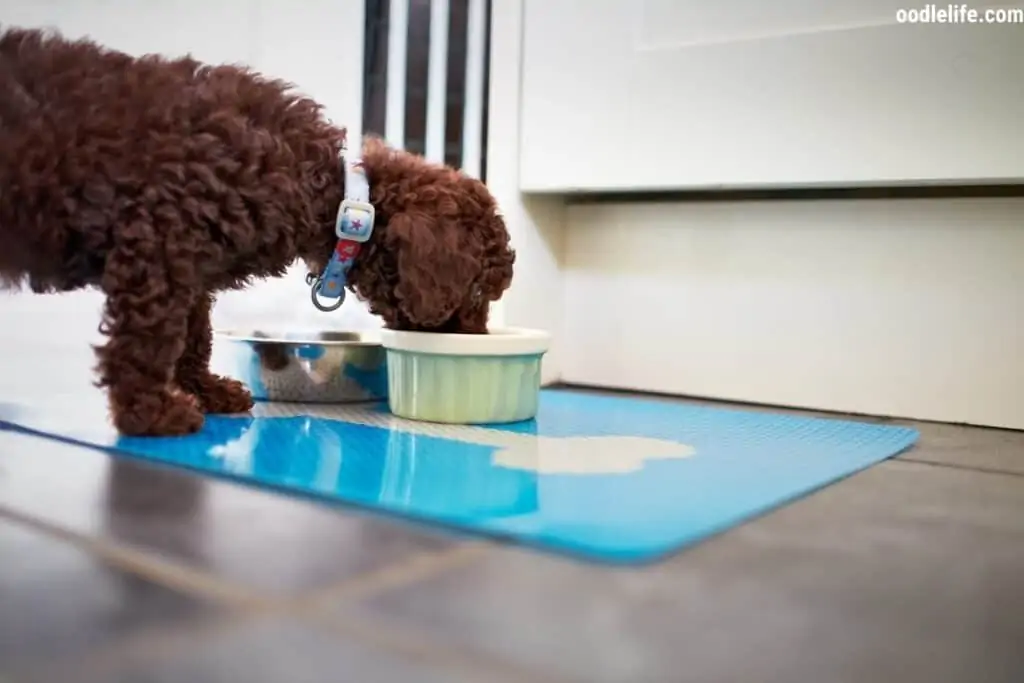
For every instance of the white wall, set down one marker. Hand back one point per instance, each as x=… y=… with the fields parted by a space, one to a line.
x=891 y=307
x=297 y=41
x=535 y=297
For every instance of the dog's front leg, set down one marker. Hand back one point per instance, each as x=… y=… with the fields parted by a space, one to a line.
x=146 y=319
x=216 y=394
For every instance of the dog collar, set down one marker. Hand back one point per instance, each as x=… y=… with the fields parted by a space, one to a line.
x=353 y=227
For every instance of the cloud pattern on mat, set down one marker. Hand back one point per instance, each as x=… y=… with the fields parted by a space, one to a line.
x=579 y=455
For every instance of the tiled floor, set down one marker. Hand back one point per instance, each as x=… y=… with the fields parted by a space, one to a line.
x=115 y=571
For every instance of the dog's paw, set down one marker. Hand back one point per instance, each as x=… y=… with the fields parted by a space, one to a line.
x=221 y=395
x=171 y=413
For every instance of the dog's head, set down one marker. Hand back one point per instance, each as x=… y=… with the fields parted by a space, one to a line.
x=440 y=248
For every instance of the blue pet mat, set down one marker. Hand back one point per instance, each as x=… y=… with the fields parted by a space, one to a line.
x=613 y=479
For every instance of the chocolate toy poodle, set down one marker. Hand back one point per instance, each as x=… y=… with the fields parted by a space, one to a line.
x=164 y=181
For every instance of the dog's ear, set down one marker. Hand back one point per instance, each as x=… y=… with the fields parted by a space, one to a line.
x=434 y=275
x=498 y=259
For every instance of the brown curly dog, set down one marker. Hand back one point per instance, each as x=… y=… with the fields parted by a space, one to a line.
x=163 y=182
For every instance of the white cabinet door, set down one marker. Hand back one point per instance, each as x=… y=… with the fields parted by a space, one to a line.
x=676 y=94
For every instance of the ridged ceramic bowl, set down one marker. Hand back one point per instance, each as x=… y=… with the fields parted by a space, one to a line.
x=465 y=378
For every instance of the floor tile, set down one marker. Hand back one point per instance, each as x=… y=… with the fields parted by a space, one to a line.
x=905 y=572
x=244 y=535
x=274 y=651
x=991 y=449
x=58 y=601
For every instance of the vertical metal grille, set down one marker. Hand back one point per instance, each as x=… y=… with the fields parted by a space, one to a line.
x=425 y=78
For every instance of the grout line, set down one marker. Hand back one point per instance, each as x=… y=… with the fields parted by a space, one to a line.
x=413 y=569
x=163 y=643
x=149 y=566
x=411 y=642
x=166 y=642
x=403 y=571
x=961 y=467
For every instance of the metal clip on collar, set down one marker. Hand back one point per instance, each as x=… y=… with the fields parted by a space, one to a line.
x=315 y=282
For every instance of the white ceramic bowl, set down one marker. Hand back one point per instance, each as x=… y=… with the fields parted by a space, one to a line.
x=465 y=378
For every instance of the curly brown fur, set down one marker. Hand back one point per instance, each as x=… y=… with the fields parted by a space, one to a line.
x=163 y=181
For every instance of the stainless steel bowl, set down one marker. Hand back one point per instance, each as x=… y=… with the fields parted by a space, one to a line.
x=325 y=367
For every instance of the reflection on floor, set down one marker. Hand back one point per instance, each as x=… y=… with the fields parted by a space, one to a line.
x=116 y=570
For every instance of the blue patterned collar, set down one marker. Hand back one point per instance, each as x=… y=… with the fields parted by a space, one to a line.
x=353 y=226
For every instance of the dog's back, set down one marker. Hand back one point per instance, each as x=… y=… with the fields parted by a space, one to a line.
x=66 y=113
x=92 y=138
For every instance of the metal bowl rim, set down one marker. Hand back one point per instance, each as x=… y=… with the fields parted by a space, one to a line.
x=365 y=338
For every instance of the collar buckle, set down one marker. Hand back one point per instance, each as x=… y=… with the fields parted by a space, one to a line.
x=355 y=221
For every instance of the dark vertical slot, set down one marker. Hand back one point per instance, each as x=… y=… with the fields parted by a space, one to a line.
x=455 y=91
x=487 y=91
x=417 y=65
x=375 y=67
